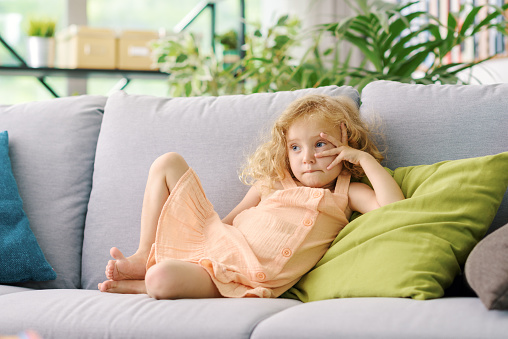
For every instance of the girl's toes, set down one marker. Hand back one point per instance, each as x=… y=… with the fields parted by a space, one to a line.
x=116 y=253
x=101 y=287
x=106 y=286
x=110 y=269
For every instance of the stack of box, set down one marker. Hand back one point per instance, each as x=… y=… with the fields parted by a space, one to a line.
x=101 y=48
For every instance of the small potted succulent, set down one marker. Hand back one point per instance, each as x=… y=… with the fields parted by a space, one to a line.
x=41 y=43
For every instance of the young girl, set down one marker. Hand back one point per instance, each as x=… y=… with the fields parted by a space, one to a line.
x=301 y=197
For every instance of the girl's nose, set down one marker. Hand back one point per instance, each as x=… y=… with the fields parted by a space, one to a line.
x=309 y=157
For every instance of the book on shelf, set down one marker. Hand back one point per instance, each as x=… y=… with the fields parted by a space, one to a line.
x=486 y=43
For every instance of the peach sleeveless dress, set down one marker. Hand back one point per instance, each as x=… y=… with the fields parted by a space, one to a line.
x=267 y=249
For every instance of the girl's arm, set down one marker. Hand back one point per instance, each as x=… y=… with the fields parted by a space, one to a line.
x=362 y=198
x=384 y=189
x=251 y=199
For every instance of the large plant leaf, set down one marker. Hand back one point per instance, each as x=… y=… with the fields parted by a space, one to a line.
x=365 y=48
x=408 y=66
x=396 y=28
x=469 y=20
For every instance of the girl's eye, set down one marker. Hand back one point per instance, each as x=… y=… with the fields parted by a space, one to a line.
x=295 y=148
x=320 y=144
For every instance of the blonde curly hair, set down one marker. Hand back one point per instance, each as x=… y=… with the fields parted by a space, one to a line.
x=270 y=162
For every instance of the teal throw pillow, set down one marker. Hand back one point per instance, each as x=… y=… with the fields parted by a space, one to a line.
x=21 y=258
x=413 y=248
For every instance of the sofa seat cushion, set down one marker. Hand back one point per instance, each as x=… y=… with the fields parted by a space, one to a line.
x=390 y=318
x=92 y=314
x=7 y=289
x=52 y=148
x=213 y=134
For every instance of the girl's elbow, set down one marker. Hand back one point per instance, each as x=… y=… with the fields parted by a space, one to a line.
x=391 y=201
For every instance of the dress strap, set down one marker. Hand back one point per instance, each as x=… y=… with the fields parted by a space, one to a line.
x=343 y=180
x=288 y=181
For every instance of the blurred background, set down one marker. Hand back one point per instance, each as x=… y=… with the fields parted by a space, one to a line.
x=281 y=45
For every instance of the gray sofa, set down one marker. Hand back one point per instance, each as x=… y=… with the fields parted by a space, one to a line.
x=81 y=163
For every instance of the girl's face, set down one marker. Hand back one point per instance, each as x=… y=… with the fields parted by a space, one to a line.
x=303 y=142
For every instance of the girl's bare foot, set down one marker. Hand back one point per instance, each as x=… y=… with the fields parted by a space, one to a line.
x=122 y=268
x=124 y=286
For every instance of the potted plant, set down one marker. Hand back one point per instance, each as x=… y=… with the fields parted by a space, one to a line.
x=266 y=67
x=192 y=70
x=41 y=43
x=229 y=42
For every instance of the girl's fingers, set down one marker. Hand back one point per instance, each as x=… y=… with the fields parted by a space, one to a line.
x=343 y=135
x=335 y=162
x=329 y=153
x=331 y=139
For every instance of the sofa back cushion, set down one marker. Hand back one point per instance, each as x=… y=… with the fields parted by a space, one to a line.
x=52 y=148
x=427 y=124
x=214 y=134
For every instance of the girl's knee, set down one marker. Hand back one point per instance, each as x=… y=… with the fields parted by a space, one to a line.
x=169 y=160
x=170 y=166
x=163 y=281
x=174 y=279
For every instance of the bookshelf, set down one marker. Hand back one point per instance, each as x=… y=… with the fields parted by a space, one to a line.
x=486 y=43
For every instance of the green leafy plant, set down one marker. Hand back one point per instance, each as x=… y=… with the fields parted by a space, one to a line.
x=41 y=28
x=394 y=43
x=405 y=48
x=192 y=71
x=267 y=65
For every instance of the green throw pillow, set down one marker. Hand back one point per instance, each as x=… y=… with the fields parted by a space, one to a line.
x=412 y=248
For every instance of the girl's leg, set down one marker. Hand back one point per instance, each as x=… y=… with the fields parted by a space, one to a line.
x=123 y=286
x=162 y=178
x=175 y=279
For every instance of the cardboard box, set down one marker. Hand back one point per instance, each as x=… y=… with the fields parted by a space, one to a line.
x=134 y=50
x=86 y=47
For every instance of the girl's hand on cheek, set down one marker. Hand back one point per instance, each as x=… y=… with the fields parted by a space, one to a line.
x=342 y=153
x=341 y=149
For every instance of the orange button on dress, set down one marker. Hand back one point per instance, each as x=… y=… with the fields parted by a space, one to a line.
x=267 y=249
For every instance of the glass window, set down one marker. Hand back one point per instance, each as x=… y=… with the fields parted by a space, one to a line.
x=14 y=18
x=154 y=15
